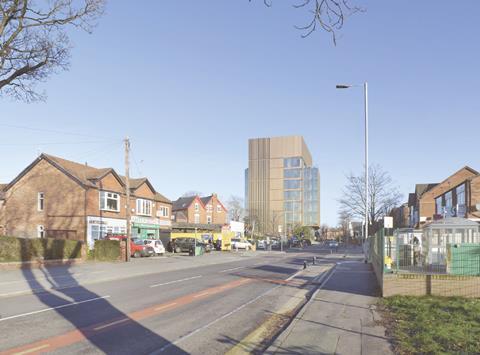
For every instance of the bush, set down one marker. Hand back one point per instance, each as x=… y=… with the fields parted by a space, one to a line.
x=106 y=250
x=23 y=249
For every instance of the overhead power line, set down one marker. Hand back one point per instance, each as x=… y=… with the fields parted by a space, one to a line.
x=49 y=130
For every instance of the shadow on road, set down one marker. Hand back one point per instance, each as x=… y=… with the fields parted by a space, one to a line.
x=97 y=322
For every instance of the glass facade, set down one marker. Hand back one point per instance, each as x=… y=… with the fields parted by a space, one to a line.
x=292 y=173
x=301 y=195
x=311 y=201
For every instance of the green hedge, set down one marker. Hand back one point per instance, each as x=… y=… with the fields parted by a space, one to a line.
x=106 y=250
x=23 y=249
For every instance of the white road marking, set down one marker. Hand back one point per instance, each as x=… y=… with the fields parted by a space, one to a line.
x=52 y=308
x=161 y=350
x=201 y=294
x=112 y=323
x=235 y=268
x=166 y=306
x=31 y=350
x=175 y=281
x=166 y=347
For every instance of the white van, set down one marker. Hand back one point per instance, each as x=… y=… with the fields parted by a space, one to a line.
x=156 y=244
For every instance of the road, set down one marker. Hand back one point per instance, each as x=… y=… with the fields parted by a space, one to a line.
x=198 y=310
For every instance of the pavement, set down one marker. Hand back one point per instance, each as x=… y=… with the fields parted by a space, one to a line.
x=340 y=317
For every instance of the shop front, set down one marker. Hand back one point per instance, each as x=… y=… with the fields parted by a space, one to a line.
x=146 y=227
x=100 y=227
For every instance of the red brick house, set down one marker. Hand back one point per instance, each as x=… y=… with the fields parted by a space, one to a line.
x=200 y=210
x=55 y=197
x=216 y=213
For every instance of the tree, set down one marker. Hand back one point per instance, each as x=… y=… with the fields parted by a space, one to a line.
x=344 y=220
x=275 y=218
x=383 y=195
x=252 y=223
x=328 y=15
x=304 y=232
x=191 y=193
x=324 y=228
x=236 y=211
x=34 y=43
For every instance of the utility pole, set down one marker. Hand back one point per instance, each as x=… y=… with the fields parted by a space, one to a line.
x=127 y=193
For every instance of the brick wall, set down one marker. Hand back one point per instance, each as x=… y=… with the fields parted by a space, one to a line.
x=64 y=204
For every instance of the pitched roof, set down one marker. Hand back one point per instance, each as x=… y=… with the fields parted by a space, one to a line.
x=2 y=194
x=134 y=183
x=206 y=199
x=160 y=198
x=420 y=189
x=81 y=172
x=87 y=175
x=183 y=202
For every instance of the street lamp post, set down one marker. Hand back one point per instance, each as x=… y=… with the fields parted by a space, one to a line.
x=365 y=93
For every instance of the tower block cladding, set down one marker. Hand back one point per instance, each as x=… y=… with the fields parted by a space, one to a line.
x=282 y=187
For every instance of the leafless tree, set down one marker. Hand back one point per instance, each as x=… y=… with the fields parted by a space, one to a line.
x=252 y=223
x=34 y=42
x=235 y=208
x=329 y=15
x=383 y=195
x=191 y=193
x=324 y=228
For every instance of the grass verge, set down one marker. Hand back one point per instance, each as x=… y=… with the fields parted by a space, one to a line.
x=432 y=325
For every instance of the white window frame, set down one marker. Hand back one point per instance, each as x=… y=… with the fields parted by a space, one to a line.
x=209 y=207
x=197 y=207
x=196 y=217
x=144 y=207
x=40 y=231
x=163 y=211
x=219 y=209
x=40 y=201
x=106 y=197
x=209 y=219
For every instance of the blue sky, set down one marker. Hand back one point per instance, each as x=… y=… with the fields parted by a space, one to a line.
x=191 y=81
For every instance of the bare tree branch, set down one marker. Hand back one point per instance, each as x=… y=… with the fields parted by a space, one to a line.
x=329 y=15
x=34 y=43
x=383 y=195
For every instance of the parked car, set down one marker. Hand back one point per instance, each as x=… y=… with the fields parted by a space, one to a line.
x=157 y=246
x=183 y=245
x=332 y=244
x=261 y=244
x=238 y=243
x=141 y=248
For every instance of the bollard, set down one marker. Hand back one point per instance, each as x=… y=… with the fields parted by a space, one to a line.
x=304 y=265
x=314 y=259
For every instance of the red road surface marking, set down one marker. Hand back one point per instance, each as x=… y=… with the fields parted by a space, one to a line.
x=82 y=334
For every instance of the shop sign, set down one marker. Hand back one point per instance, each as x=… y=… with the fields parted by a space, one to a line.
x=145 y=220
